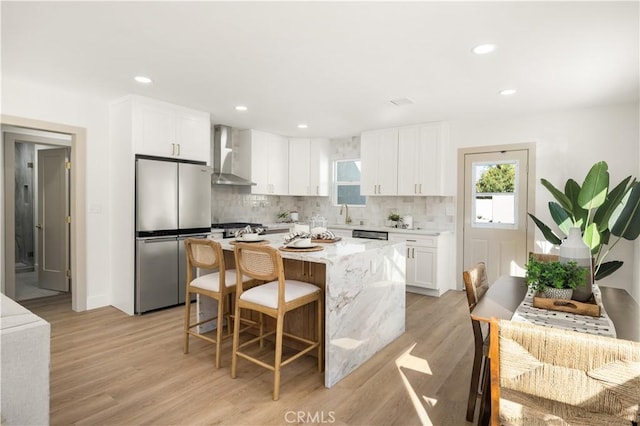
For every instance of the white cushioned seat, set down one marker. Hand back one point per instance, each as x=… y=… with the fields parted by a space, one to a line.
x=267 y=294
x=211 y=281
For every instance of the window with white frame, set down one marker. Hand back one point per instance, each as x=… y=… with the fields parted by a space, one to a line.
x=494 y=194
x=346 y=176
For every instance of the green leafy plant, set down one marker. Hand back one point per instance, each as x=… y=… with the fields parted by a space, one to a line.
x=604 y=217
x=541 y=275
x=394 y=216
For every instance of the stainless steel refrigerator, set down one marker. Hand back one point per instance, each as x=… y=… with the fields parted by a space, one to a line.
x=173 y=202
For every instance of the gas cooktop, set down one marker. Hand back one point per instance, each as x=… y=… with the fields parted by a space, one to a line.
x=228 y=225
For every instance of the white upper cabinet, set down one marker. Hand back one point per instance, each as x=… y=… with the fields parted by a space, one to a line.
x=320 y=167
x=379 y=157
x=167 y=130
x=309 y=167
x=269 y=162
x=418 y=163
x=420 y=159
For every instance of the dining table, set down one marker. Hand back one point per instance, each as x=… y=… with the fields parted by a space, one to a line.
x=505 y=295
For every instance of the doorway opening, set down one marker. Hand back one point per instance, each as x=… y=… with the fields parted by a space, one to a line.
x=41 y=209
x=70 y=238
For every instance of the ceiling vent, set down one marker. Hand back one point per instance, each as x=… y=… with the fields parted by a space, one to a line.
x=402 y=101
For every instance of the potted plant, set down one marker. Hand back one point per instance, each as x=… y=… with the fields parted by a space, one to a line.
x=555 y=279
x=604 y=216
x=283 y=216
x=394 y=218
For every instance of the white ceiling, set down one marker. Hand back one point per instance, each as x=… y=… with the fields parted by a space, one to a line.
x=334 y=66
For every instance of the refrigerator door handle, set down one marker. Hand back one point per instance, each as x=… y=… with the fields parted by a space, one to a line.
x=156 y=239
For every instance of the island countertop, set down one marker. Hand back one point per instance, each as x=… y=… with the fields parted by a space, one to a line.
x=364 y=292
x=332 y=253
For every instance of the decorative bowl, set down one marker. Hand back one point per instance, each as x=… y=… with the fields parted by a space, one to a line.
x=251 y=237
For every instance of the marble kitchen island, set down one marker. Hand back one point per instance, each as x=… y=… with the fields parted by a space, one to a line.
x=364 y=292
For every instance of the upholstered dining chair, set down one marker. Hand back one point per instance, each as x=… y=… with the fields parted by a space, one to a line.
x=219 y=285
x=476 y=285
x=274 y=298
x=545 y=375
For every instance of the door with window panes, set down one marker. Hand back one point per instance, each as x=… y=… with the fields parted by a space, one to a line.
x=495 y=211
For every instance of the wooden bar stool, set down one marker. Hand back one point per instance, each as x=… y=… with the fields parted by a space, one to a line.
x=274 y=298
x=219 y=285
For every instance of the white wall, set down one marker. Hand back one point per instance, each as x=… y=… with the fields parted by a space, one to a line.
x=49 y=104
x=568 y=143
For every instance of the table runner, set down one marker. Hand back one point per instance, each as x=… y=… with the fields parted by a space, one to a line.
x=602 y=326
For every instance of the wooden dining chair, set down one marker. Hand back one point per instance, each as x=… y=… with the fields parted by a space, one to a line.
x=476 y=285
x=218 y=285
x=274 y=298
x=544 y=375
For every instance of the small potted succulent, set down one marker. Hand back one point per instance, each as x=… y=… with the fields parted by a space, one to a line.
x=555 y=279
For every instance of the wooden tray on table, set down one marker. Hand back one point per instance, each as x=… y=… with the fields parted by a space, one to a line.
x=589 y=307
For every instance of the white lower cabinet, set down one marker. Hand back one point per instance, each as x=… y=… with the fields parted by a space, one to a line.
x=429 y=269
x=422 y=266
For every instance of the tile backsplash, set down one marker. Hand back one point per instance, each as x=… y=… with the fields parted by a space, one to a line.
x=236 y=203
x=231 y=203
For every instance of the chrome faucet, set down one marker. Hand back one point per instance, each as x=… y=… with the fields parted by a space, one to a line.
x=347 y=218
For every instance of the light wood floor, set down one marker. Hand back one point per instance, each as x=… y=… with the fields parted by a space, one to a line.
x=108 y=368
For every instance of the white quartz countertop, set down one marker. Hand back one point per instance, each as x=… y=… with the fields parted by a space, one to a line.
x=330 y=253
x=418 y=231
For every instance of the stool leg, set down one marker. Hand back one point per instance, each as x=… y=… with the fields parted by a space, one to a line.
x=261 y=319
x=319 y=333
x=278 y=360
x=236 y=339
x=187 y=319
x=219 y=326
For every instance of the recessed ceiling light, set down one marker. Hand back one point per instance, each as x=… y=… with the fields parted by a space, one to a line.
x=483 y=49
x=143 y=79
x=507 y=92
x=241 y=108
x=302 y=126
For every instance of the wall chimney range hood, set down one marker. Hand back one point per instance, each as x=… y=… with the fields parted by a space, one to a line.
x=222 y=158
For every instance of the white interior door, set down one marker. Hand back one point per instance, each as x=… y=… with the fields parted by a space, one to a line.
x=495 y=211
x=53 y=210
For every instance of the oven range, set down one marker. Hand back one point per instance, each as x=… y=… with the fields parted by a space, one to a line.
x=230 y=228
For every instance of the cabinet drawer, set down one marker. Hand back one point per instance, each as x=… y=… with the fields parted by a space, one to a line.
x=422 y=241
